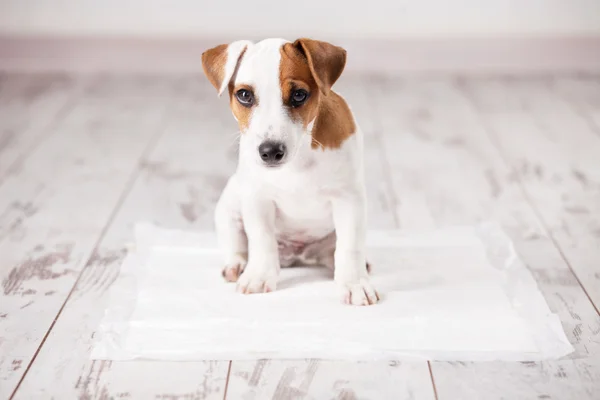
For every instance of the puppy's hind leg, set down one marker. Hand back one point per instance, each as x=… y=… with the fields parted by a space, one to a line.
x=230 y=232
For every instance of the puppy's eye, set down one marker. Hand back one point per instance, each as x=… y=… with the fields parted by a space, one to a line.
x=298 y=97
x=245 y=97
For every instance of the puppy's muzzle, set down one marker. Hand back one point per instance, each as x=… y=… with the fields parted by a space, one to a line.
x=272 y=153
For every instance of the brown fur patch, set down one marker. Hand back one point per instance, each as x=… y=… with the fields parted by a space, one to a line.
x=242 y=113
x=213 y=64
x=326 y=61
x=334 y=122
x=294 y=74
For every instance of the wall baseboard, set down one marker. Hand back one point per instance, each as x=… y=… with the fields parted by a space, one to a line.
x=405 y=56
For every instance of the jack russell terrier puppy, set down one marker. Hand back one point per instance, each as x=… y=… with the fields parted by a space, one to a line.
x=298 y=195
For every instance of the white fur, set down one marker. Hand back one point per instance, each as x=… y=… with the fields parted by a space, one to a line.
x=300 y=211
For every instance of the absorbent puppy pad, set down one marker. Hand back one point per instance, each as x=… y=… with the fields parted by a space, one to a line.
x=457 y=293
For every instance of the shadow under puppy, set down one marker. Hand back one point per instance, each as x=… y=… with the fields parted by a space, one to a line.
x=298 y=194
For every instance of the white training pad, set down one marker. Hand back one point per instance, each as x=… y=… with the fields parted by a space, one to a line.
x=452 y=294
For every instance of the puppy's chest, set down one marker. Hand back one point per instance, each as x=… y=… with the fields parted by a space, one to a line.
x=302 y=213
x=303 y=206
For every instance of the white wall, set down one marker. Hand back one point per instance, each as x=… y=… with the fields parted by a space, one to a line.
x=291 y=18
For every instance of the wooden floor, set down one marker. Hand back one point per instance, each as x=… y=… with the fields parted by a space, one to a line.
x=83 y=158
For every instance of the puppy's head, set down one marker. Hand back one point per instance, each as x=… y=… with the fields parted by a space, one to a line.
x=275 y=89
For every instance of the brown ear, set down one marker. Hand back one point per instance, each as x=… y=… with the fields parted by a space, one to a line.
x=326 y=61
x=220 y=63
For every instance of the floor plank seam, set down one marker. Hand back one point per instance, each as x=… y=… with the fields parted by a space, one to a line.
x=435 y=392
x=227 y=380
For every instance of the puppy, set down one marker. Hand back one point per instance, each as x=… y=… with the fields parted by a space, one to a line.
x=298 y=195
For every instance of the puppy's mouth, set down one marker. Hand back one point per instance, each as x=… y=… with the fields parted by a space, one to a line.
x=275 y=166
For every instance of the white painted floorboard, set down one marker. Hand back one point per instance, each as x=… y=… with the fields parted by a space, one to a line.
x=83 y=159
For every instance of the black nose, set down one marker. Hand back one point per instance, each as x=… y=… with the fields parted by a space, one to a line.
x=271 y=152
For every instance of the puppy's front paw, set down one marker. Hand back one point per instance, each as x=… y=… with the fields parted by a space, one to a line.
x=232 y=272
x=234 y=268
x=257 y=281
x=359 y=292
